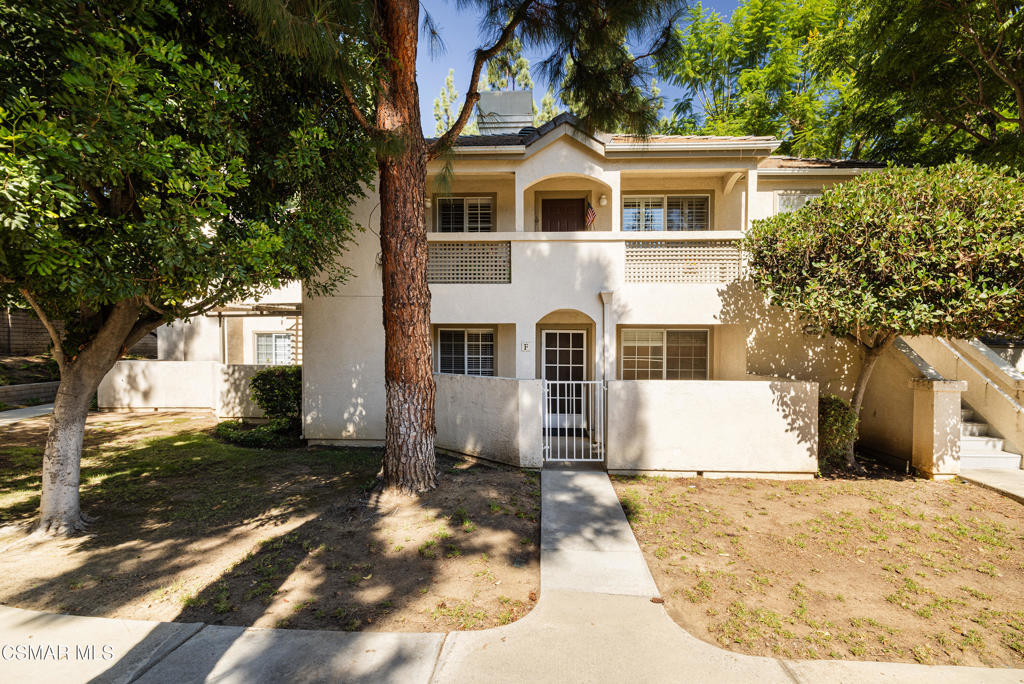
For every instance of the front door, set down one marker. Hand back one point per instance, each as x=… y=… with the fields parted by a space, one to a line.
x=562 y=215
x=565 y=367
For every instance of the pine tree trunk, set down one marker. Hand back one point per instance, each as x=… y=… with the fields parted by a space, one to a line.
x=59 y=509
x=409 y=460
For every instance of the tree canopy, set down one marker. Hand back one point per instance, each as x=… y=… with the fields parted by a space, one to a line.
x=905 y=251
x=156 y=162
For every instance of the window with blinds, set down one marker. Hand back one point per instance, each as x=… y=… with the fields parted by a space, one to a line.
x=791 y=201
x=664 y=354
x=274 y=349
x=466 y=352
x=666 y=212
x=465 y=215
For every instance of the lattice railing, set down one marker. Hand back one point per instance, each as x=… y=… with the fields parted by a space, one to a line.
x=689 y=261
x=469 y=262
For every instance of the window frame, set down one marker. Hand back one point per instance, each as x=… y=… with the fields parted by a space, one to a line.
x=664 y=353
x=466 y=203
x=273 y=334
x=664 y=197
x=465 y=351
x=810 y=195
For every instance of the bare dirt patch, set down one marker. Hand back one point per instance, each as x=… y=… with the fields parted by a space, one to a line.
x=862 y=569
x=192 y=529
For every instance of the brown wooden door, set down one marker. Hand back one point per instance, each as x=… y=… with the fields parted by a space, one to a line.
x=562 y=215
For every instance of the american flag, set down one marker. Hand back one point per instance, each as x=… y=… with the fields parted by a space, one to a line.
x=591 y=214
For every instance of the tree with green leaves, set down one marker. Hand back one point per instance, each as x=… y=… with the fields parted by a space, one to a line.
x=906 y=251
x=935 y=78
x=509 y=69
x=443 y=114
x=760 y=73
x=156 y=162
x=549 y=109
x=339 y=38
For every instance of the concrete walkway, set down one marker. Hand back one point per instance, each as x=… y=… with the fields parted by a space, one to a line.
x=15 y=415
x=595 y=622
x=1007 y=482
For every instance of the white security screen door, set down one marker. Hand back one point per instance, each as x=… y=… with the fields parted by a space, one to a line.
x=564 y=359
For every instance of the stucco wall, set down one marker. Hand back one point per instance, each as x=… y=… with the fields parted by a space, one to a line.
x=223 y=389
x=887 y=417
x=713 y=427
x=494 y=418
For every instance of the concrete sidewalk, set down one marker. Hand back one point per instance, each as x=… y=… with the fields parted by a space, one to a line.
x=1007 y=482
x=595 y=622
x=15 y=415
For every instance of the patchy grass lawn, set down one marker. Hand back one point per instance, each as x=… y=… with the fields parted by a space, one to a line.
x=863 y=569
x=18 y=370
x=193 y=529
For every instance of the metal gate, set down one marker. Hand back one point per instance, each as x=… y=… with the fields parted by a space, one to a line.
x=574 y=420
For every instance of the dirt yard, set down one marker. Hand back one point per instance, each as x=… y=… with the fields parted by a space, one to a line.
x=891 y=569
x=191 y=529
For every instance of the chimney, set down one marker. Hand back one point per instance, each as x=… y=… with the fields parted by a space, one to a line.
x=505 y=111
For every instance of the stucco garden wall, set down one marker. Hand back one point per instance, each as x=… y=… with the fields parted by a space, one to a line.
x=140 y=385
x=494 y=418
x=713 y=427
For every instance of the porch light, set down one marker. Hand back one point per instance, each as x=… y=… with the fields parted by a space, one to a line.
x=427 y=202
x=602 y=200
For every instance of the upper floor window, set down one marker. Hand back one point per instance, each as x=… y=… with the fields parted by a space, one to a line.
x=791 y=201
x=465 y=214
x=666 y=212
x=274 y=348
x=466 y=352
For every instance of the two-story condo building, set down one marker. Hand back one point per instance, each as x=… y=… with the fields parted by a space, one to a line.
x=587 y=304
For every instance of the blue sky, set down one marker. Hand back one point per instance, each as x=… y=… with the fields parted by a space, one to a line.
x=460 y=31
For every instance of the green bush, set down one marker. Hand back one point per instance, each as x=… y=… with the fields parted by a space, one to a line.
x=275 y=434
x=278 y=391
x=837 y=431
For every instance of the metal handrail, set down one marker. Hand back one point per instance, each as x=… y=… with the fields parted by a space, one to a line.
x=960 y=357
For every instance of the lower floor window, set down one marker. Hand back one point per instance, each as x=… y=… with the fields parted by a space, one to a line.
x=274 y=349
x=466 y=352
x=649 y=354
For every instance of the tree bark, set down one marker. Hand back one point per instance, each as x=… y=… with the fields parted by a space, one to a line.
x=409 y=459
x=59 y=508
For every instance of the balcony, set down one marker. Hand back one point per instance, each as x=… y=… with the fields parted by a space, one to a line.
x=695 y=257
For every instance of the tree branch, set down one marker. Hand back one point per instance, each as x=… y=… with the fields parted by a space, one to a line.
x=354 y=107
x=473 y=94
x=58 y=351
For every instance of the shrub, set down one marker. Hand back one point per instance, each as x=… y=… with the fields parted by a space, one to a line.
x=837 y=431
x=278 y=391
x=272 y=435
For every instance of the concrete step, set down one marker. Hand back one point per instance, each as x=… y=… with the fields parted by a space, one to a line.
x=1000 y=460
x=973 y=429
x=981 y=445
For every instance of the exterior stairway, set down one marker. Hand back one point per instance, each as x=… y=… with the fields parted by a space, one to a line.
x=978 y=449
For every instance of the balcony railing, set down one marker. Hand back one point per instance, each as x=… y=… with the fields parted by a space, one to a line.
x=650 y=257
x=690 y=261
x=469 y=262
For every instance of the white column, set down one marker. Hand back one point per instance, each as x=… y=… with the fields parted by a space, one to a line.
x=520 y=200
x=526 y=354
x=751 y=212
x=614 y=179
x=606 y=349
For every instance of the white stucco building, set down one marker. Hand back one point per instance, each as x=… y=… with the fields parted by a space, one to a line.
x=586 y=304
